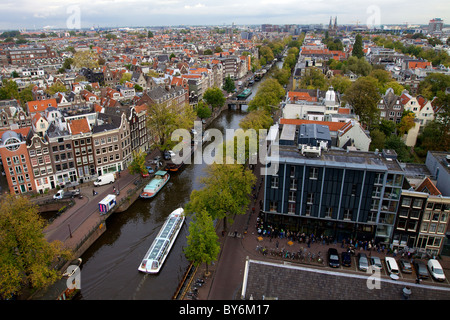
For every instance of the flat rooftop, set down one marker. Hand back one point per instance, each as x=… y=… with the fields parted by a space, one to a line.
x=339 y=158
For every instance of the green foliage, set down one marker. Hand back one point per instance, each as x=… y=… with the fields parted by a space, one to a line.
x=314 y=79
x=396 y=143
x=357 y=50
x=203 y=111
x=377 y=140
x=228 y=85
x=214 y=97
x=269 y=95
x=363 y=96
x=225 y=193
x=164 y=119
x=202 y=241
x=137 y=165
x=26 y=258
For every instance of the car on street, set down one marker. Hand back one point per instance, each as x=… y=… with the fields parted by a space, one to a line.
x=436 y=270
x=376 y=263
x=346 y=259
x=333 y=258
x=363 y=263
x=405 y=266
x=421 y=270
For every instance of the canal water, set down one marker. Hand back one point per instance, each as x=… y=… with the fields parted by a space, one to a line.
x=109 y=269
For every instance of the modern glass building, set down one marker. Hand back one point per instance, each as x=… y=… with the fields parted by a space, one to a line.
x=331 y=192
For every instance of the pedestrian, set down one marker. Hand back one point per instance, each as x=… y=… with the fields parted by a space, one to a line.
x=93 y=192
x=114 y=189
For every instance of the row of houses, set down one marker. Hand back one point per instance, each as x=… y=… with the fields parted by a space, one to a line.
x=60 y=148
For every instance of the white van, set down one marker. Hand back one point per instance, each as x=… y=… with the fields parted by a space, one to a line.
x=391 y=265
x=104 y=179
x=436 y=270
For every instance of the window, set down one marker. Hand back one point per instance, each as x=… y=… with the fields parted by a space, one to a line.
x=291 y=207
x=417 y=203
x=314 y=173
x=347 y=214
x=274 y=182
x=308 y=210
x=292 y=196
x=293 y=184
x=273 y=206
x=310 y=198
x=329 y=213
x=406 y=202
x=292 y=171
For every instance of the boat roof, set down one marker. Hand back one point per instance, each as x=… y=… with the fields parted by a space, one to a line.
x=160 y=173
x=164 y=236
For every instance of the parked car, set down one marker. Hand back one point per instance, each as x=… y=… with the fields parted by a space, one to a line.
x=436 y=270
x=391 y=266
x=376 y=263
x=363 y=263
x=333 y=258
x=405 y=266
x=346 y=259
x=421 y=270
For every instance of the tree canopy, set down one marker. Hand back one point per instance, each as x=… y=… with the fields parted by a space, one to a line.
x=26 y=258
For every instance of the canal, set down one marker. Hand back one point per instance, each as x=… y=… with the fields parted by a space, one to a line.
x=109 y=270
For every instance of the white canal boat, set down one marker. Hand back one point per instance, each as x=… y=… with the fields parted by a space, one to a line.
x=160 y=248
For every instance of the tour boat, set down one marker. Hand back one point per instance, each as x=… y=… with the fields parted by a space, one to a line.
x=244 y=94
x=156 y=184
x=160 y=248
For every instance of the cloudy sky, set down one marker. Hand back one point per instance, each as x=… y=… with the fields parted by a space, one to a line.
x=32 y=14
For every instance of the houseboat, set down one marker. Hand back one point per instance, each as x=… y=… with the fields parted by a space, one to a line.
x=156 y=184
x=160 y=248
x=244 y=94
x=174 y=167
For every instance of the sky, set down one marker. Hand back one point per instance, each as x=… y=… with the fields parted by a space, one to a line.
x=32 y=14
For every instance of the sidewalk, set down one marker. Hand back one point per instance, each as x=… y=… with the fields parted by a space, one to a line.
x=225 y=282
x=79 y=220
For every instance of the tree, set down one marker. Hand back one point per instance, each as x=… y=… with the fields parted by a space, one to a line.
x=258 y=119
x=269 y=95
x=434 y=83
x=363 y=96
x=394 y=142
x=358 y=66
x=340 y=83
x=214 y=97
x=357 y=47
x=202 y=241
x=163 y=119
x=26 y=258
x=406 y=122
x=282 y=75
x=149 y=34
x=203 y=111
x=87 y=59
x=54 y=88
x=314 y=79
x=126 y=76
x=378 y=137
x=137 y=165
x=226 y=192
x=229 y=85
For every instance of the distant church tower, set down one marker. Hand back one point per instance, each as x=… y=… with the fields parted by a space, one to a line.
x=332 y=27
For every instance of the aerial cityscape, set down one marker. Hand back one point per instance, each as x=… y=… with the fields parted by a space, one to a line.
x=216 y=151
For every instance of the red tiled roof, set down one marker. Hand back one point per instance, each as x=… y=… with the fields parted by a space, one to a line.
x=428 y=186
x=41 y=105
x=79 y=126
